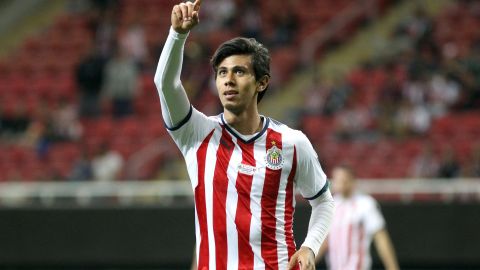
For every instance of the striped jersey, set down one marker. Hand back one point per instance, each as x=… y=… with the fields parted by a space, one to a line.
x=244 y=189
x=355 y=222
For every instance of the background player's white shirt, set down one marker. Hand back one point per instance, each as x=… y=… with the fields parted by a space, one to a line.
x=355 y=221
x=244 y=190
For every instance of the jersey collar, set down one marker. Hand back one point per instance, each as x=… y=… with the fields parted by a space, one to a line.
x=266 y=122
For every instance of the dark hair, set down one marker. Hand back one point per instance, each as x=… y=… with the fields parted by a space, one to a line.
x=245 y=46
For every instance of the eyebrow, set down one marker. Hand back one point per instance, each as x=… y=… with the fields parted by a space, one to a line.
x=234 y=67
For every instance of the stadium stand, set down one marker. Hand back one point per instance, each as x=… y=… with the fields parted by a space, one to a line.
x=432 y=78
x=41 y=73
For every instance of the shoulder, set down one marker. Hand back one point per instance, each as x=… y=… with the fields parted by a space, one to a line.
x=200 y=116
x=215 y=118
x=290 y=135
x=366 y=201
x=193 y=129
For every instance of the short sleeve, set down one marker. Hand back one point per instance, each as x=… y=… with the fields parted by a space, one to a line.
x=191 y=130
x=373 y=220
x=310 y=179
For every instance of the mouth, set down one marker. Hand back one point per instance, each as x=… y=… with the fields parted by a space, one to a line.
x=230 y=94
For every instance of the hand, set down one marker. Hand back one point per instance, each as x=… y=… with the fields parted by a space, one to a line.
x=185 y=16
x=305 y=257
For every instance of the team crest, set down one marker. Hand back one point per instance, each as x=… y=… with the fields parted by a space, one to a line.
x=274 y=158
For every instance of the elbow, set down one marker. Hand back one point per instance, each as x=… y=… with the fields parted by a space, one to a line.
x=161 y=82
x=328 y=198
x=160 y=79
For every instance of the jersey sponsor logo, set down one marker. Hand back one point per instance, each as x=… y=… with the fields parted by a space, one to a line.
x=274 y=158
x=246 y=169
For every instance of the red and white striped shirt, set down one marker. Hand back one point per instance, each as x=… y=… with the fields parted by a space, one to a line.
x=355 y=221
x=244 y=190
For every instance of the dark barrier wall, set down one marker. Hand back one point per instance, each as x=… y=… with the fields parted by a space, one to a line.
x=429 y=235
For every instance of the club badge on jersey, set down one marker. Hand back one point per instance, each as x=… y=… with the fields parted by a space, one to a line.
x=274 y=158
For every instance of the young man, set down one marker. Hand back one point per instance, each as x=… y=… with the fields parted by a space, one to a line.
x=243 y=166
x=356 y=221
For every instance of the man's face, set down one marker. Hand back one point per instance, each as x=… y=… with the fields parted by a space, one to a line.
x=343 y=182
x=236 y=83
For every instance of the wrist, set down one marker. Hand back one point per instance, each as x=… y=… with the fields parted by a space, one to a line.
x=308 y=249
x=178 y=33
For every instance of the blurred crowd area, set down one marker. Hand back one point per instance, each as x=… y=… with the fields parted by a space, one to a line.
x=415 y=111
x=78 y=101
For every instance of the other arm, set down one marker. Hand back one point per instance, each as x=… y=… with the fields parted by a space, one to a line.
x=313 y=185
x=385 y=249
x=318 y=228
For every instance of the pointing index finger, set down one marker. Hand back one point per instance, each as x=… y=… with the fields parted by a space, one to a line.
x=196 y=5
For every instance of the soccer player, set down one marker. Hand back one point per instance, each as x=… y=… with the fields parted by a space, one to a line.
x=356 y=222
x=244 y=167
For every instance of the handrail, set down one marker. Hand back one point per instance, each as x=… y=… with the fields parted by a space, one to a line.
x=168 y=192
x=91 y=192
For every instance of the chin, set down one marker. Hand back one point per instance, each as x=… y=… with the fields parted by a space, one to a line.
x=234 y=108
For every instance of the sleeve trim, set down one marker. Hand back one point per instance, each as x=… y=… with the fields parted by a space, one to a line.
x=181 y=123
x=324 y=188
x=177 y=35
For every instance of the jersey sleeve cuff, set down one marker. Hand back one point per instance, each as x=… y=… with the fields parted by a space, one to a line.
x=177 y=35
x=324 y=188
x=312 y=247
x=181 y=123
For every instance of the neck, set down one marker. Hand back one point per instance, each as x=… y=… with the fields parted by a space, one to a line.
x=246 y=122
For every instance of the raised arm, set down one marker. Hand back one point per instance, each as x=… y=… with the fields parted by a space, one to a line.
x=173 y=98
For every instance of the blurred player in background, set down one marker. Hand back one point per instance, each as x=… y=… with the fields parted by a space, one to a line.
x=243 y=166
x=356 y=222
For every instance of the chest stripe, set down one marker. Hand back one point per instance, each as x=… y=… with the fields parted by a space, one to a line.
x=243 y=215
x=201 y=206
x=220 y=186
x=269 y=204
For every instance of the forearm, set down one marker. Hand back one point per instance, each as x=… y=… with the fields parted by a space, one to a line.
x=385 y=250
x=320 y=221
x=173 y=98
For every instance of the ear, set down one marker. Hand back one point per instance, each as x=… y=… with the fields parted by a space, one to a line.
x=262 y=84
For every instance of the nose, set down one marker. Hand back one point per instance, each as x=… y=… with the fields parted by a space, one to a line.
x=229 y=79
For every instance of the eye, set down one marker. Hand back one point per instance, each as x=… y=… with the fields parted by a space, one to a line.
x=239 y=72
x=222 y=72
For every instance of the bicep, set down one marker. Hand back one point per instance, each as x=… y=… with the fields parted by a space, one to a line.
x=380 y=235
x=175 y=107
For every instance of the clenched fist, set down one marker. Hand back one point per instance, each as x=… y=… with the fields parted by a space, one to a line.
x=185 y=16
